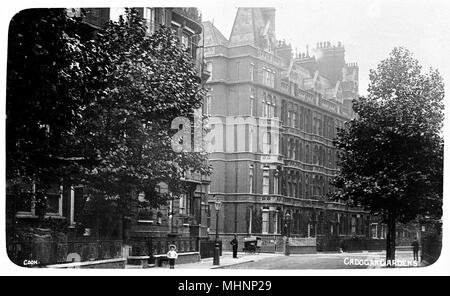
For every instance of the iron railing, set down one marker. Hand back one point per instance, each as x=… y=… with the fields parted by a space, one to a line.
x=147 y=246
x=207 y=248
x=54 y=252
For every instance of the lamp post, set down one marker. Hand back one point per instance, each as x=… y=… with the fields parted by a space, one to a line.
x=216 y=260
x=287 y=218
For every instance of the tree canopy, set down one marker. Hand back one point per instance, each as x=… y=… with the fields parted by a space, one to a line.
x=391 y=154
x=44 y=92
x=98 y=111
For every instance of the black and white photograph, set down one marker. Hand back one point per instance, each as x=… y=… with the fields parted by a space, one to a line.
x=224 y=136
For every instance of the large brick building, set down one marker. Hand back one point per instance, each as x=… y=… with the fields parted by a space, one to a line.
x=273 y=116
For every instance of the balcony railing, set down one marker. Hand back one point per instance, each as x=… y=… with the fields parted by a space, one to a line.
x=269 y=57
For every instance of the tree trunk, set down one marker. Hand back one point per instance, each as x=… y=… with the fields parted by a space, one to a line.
x=391 y=235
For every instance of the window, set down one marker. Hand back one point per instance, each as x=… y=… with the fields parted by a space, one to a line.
x=289 y=187
x=24 y=198
x=252 y=72
x=186 y=207
x=300 y=151
x=353 y=221
x=29 y=198
x=268 y=105
x=252 y=102
x=264 y=109
x=307 y=187
x=314 y=124
x=294 y=188
x=250 y=182
x=208 y=104
x=330 y=163
x=294 y=150
x=268 y=77
x=273 y=107
x=266 y=181
x=162 y=16
x=149 y=16
x=315 y=155
x=185 y=40
x=299 y=184
x=264 y=74
x=275 y=182
x=53 y=198
x=267 y=143
x=209 y=68
x=290 y=148
x=272 y=79
x=182 y=204
x=250 y=139
x=383 y=231
x=265 y=221
x=321 y=185
x=307 y=153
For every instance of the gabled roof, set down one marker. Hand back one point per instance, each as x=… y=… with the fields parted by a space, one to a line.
x=212 y=35
x=251 y=24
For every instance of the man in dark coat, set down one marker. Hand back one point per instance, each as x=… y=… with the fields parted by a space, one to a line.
x=234 y=243
x=415 y=245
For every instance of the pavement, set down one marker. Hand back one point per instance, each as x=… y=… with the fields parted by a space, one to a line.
x=227 y=261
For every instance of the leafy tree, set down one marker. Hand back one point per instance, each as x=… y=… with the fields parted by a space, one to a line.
x=126 y=130
x=48 y=76
x=391 y=154
x=45 y=85
x=98 y=111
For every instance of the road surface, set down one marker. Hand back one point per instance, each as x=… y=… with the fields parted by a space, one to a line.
x=319 y=261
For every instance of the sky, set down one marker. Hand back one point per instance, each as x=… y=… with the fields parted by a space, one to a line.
x=369 y=30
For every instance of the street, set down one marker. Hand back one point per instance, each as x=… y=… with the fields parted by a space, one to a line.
x=320 y=261
x=274 y=261
x=306 y=261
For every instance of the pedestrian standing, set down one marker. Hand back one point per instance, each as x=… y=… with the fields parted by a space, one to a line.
x=234 y=243
x=172 y=255
x=415 y=245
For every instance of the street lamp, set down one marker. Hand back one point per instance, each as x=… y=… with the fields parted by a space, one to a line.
x=216 y=261
x=287 y=218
